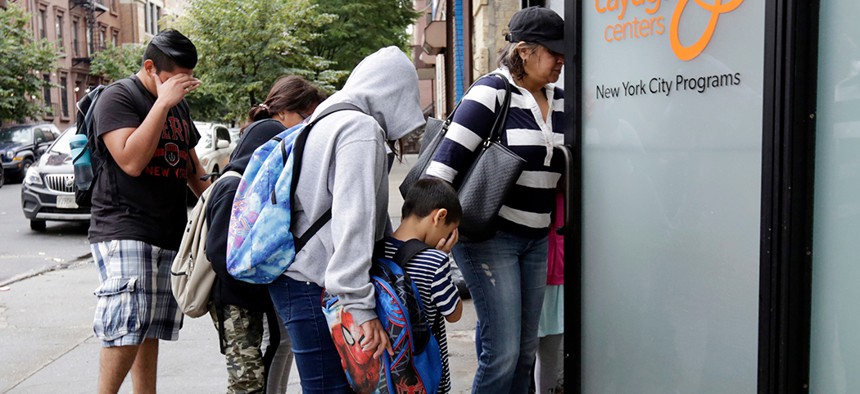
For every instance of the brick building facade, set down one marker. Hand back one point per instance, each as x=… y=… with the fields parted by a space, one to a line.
x=81 y=28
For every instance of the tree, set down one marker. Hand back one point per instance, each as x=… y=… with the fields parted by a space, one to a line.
x=23 y=60
x=362 y=27
x=117 y=62
x=244 y=46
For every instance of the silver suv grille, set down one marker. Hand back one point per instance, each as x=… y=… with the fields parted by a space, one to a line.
x=60 y=183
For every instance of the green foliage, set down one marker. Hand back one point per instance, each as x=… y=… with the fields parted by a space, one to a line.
x=362 y=27
x=244 y=46
x=117 y=62
x=22 y=63
x=206 y=105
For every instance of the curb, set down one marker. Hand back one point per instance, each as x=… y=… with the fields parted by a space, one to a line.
x=80 y=260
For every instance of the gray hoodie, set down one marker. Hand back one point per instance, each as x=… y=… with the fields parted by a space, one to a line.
x=345 y=168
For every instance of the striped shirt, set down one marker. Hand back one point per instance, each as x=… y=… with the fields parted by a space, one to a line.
x=528 y=207
x=430 y=270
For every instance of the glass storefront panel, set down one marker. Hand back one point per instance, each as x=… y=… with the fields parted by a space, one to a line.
x=835 y=341
x=672 y=147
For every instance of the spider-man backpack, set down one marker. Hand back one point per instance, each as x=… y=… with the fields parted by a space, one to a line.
x=416 y=366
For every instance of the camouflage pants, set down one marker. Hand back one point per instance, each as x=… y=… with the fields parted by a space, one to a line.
x=243 y=334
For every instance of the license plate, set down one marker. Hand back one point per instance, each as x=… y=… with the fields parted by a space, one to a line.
x=67 y=202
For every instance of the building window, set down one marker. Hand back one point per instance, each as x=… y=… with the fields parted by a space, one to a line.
x=531 y=3
x=102 y=39
x=89 y=44
x=115 y=38
x=41 y=23
x=151 y=17
x=61 y=43
x=76 y=37
x=46 y=91
x=64 y=96
x=146 y=23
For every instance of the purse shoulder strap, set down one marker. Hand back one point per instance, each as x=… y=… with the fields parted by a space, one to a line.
x=502 y=113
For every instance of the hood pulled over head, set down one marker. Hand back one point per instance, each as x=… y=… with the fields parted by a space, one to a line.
x=385 y=86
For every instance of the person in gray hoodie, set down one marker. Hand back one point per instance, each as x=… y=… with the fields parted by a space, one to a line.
x=345 y=168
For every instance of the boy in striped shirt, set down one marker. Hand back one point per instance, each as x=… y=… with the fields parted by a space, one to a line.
x=431 y=213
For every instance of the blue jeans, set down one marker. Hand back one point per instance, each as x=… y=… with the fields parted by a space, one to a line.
x=506 y=276
x=299 y=306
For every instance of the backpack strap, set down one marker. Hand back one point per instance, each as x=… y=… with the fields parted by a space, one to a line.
x=408 y=250
x=206 y=193
x=298 y=152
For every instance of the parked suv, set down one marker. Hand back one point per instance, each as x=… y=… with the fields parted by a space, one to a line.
x=47 y=191
x=21 y=146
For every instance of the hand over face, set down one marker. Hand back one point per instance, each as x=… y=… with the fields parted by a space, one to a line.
x=446 y=244
x=174 y=89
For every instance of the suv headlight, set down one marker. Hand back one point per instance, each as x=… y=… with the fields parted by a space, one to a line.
x=32 y=177
x=10 y=154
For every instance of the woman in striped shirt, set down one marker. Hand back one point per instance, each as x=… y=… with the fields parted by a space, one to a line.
x=506 y=274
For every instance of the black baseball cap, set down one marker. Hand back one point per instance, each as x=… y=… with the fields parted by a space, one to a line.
x=537 y=24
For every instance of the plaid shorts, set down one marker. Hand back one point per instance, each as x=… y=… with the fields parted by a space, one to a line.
x=134 y=297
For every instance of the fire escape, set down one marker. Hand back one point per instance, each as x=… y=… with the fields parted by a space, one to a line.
x=92 y=9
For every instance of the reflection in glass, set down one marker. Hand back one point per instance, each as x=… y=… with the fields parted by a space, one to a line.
x=835 y=341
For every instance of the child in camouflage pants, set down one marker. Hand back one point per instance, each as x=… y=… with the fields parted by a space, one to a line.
x=236 y=307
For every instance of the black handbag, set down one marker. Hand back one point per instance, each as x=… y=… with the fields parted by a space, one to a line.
x=484 y=187
x=434 y=133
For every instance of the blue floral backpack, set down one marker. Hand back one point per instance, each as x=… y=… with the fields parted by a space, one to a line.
x=258 y=247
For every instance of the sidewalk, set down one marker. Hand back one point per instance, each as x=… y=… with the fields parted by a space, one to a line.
x=46 y=342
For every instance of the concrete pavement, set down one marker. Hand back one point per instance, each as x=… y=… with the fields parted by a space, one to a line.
x=46 y=342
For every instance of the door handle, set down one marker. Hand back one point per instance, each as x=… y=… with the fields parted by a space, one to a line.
x=566 y=177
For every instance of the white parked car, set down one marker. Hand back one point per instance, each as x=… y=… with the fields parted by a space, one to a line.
x=235 y=134
x=214 y=147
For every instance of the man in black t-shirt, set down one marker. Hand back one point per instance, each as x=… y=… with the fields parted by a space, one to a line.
x=147 y=139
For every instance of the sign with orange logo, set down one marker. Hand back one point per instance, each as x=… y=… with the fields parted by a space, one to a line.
x=672 y=114
x=655 y=25
x=716 y=9
x=682 y=29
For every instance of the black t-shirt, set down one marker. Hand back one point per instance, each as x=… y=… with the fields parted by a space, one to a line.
x=150 y=207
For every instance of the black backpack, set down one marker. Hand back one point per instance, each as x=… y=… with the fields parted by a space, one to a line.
x=84 y=123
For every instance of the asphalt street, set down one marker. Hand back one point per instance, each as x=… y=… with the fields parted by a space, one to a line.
x=24 y=251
